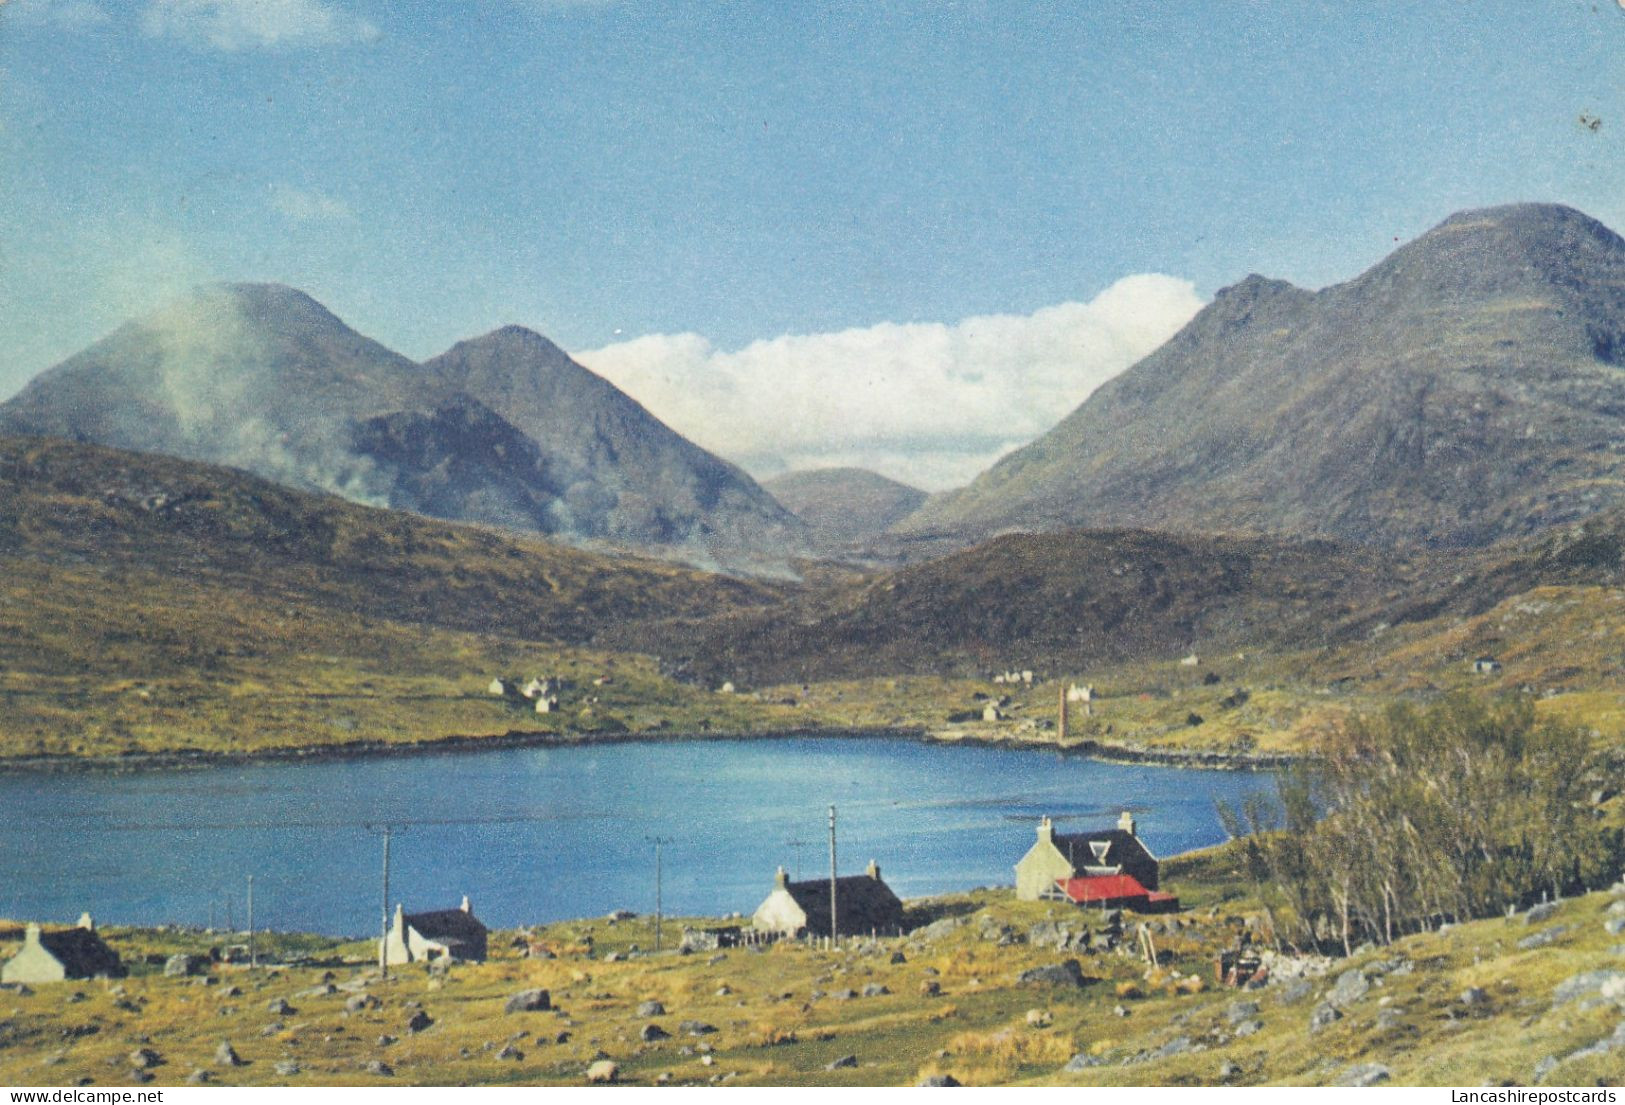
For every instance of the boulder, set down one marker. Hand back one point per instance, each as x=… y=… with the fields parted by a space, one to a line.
x=845 y=1062
x=1323 y=1015
x=1542 y=938
x=1081 y=1061
x=143 y=1058
x=1364 y=1074
x=418 y=1022
x=380 y=1068
x=652 y=1032
x=1039 y=1018
x=280 y=1007
x=1585 y=983
x=651 y=1009
x=1238 y=1011
x=875 y=990
x=355 y=1003
x=1542 y=912
x=1249 y=1028
x=938 y=1080
x=603 y=1072
x=1068 y=972
x=226 y=1056
x=930 y=988
x=287 y=1068
x=511 y=1053
x=1614 y=926
x=528 y=1001
x=1474 y=997
x=178 y=966
x=1350 y=987
x=696 y=1028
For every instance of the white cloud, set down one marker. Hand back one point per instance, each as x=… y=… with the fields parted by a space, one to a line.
x=306 y=205
x=928 y=403
x=248 y=24
x=67 y=15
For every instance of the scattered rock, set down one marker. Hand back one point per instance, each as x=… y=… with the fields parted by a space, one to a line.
x=200 y=1077
x=1542 y=912
x=287 y=1068
x=139 y=1075
x=143 y=1057
x=1238 y=1011
x=385 y=1041
x=1614 y=926
x=844 y=995
x=696 y=1028
x=930 y=988
x=1323 y=1015
x=1474 y=996
x=1586 y=982
x=419 y=1021
x=532 y=1001
x=355 y=1003
x=1081 y=1061
x=1039 y=1018
x=603 y=1072
x=938 y=1080
x=899 y=957
x=1542 y=938
x=1364 y=1074
x=380 y=1068
x=280 y=1007
x=1228 y=1070
x=1119 y=1011
x=875 y=990
x=180 y=966
x=1350 y=987
x=845 y=1062
x=652 y=1032
x=511 y=1052
x=226 y=1056
x=1545 y=1067
x=1296 y=990
x=1066 y=973
x=651 y=1009
x=1249 y=1028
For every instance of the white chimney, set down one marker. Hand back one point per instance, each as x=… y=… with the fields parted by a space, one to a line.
x=465 y=907
x=1126 y=823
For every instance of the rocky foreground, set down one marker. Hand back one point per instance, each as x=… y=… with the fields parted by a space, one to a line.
x=990 y=991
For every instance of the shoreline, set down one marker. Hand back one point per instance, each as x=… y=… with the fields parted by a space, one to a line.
x=452 y=745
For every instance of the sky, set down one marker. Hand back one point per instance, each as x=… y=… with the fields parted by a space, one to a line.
x=908 y=235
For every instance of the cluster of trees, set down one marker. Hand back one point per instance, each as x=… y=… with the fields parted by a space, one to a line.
x=1419 y=816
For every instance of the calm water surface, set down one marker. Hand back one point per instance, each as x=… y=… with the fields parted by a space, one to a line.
x=543 y=834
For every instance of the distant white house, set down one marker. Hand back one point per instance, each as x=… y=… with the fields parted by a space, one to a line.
x=1080 y=692
x=1190 y=661
x=448 y=934
x=500 y=687
x=57 y=956
x=547 y=703
x=1486 y=665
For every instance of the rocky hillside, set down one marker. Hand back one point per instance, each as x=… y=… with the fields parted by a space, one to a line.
x=505 y=429
x=1467 y=388
x=843 y=506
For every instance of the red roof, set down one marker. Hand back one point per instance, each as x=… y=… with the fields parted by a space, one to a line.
x=1105 y=888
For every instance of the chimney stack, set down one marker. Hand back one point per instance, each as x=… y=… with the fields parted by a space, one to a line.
x=31 y=934
x=86 y=921
x=873 y=870
x=1046 y=829
x=781 y=879
x=465 y=907
x=1126 y=823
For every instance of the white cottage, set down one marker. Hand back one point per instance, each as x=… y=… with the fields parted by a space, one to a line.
x=57 y=956
x=449 y=934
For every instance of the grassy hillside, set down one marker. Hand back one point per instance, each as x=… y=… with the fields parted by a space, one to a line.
x=150 y=603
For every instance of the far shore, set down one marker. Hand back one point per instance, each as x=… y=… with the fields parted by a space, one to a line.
x=200 y=759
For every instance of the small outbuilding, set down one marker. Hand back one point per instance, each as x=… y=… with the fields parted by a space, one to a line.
x=443 y=934
x=65 y=954
x=864 y=904
x=1486 y=665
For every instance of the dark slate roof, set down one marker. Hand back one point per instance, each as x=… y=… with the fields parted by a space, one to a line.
x=863 y=903
x=82 y=953
x=447 y=925
x=1075 y=846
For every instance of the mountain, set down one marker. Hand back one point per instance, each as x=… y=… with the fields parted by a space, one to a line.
x=504 y=430
x=843 y=506
x=1466 y=388
x=615 y=471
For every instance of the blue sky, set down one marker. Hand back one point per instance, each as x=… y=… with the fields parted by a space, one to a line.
x=733 y=173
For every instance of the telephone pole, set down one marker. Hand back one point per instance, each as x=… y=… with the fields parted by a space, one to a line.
x=834 y=927
x=383 y=928
x=253 y=959
x=659 y=842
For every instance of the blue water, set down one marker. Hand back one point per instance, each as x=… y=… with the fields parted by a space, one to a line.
x=542 y=834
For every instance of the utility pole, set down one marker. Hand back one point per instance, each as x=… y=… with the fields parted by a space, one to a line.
x=1060 y=732
x=253 y=959
x=797 y=845
x=834 y=926
x=659 y=842
x=383 y=927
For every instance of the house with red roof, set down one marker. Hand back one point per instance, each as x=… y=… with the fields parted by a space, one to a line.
x=1112 y=869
